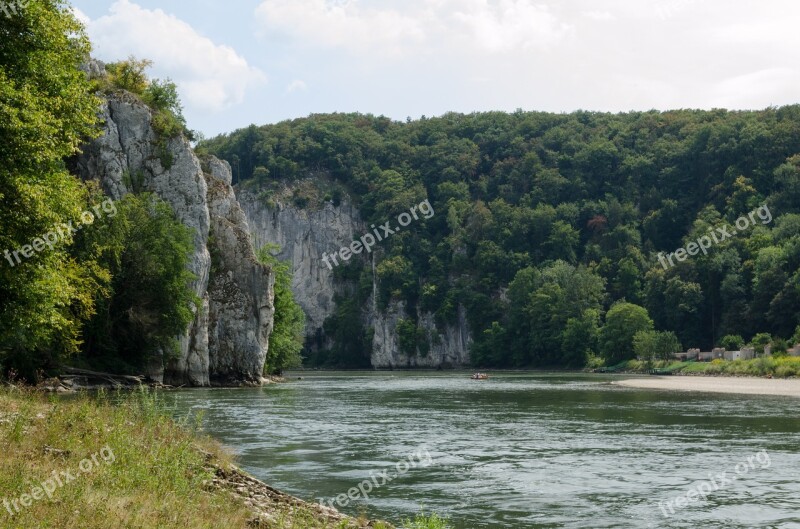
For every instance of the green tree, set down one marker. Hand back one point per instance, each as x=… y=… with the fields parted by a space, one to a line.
x=760 y=341
x=732 y=342
x=129 y=74
x=151 y=301
x=286 y=340
x=655 y=345
x=47 y=109
x=261 y=175
x=796 y=336
x=623 y=321
x=579 y=339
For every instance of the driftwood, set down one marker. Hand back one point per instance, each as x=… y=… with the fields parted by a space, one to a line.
x=116 y=380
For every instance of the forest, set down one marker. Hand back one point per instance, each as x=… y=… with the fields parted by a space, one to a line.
x=549 y=227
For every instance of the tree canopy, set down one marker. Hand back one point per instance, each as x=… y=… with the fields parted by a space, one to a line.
x=586 y=198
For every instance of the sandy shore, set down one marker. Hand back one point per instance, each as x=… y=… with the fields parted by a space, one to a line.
x=740 y=385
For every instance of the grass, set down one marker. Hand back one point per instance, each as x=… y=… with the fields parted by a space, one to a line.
x=779 y=367
x=426 y=522
x=159 y=475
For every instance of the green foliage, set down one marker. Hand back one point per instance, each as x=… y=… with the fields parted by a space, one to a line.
x=606 y=193
x=286 y=339
x=579 y=339
x=412 y=338
x=352 y=343
x=623 y=321
x=146 y=249
x=655 y=345
x=421 y=521
x=129 y=74
x=47 y=109
x=160 y=95
x=760 y=341
x=732 y=342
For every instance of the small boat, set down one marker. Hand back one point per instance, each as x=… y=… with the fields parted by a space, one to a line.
x=480 y=376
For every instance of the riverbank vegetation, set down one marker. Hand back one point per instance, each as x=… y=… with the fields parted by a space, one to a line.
x=549 y=227
x=779 y=367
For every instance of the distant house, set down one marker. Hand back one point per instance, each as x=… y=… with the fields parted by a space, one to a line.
x=691 y=354
x=747 y=353
x=794 y=351
x=707 y=356
x=718 y=353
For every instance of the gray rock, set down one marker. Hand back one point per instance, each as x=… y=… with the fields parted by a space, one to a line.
x=128 y=158
x=304 y=235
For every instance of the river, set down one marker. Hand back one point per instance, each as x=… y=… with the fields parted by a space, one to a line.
x=520 y=450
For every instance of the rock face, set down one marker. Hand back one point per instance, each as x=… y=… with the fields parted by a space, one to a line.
x=304 y=235
x=448 y=349
x=227 y=341
x=240 y=290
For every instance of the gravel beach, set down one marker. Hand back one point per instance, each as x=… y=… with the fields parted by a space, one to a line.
x=740 y=385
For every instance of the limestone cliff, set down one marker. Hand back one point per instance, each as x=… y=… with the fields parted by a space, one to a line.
x=304 y=235
x=227 y=341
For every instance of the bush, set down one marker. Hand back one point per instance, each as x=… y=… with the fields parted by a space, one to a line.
x=129 y=74
x=786 y=371
x=732 y=342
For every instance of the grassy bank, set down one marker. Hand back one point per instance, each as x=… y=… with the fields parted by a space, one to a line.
x=785 y=367
x=84 y=463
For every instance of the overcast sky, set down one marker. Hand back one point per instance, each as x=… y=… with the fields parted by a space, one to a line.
x=238 y=62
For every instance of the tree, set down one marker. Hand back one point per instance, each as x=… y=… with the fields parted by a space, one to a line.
x=129 y=74
x=655 y=345
x=732 y=342
x=760 y=341
x=579 y=339
x=286 y=340
x=47 y=109
x=261 y=175
x=623 y=321
x=146 y=249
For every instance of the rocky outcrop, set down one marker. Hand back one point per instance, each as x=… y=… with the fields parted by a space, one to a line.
x=304 y=235
x=240 y=289
x=449 y=348
x=227 y=341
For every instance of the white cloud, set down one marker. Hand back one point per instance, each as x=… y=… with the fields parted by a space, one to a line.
x=209 y=76
x=418 y=26
x=509 y=24
x=340 y=24
x=296 y=86
x=598 y=15
x=80 y=15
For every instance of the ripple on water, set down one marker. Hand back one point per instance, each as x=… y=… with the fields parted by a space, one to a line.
x=516 y=451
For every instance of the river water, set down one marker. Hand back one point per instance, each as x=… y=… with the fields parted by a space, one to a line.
x=517 y=451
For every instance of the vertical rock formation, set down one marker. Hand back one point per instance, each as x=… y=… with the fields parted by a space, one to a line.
x=240 y=289
x=304 y=235
x=227 y=341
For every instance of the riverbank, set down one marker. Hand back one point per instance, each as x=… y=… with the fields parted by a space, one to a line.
x=84 y=463
x=737 y=385
x=778 y=367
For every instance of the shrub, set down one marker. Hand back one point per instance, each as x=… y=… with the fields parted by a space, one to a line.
x=732 y=342
x=129 y=74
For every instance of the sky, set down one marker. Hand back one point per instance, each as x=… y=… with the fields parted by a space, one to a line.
x=239 y=62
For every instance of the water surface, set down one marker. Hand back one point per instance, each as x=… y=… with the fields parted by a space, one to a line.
x=516 y=451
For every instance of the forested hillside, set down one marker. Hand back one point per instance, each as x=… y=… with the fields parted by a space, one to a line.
x=548 y=227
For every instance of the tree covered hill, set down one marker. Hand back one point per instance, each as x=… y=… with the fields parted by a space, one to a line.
x=546 y=221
